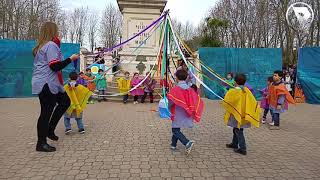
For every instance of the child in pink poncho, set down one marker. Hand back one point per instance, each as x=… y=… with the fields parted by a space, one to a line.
x=138 y=91
x=264 y=102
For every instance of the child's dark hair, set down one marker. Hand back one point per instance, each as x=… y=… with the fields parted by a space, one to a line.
x=231 y=74
x=81 y=73
x=127 y=72
x=73 y=76
x=280 y=73
x=100 y=70
x=240 y=79
x=182 y=75
x=135 y=74
x=88 y=69
x=194 y=87
x=270 y=79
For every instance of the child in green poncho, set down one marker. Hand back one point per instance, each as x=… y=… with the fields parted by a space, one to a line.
x=101 y=84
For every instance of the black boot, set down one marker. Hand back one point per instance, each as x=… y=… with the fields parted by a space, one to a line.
x=53 y=137
x=44 y=147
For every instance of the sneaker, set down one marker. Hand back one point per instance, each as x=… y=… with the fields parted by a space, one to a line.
x=231 y=146
x=274 y=128
x=173 y=148
x=135 y=102
x=263 y=120
x=81 y=131
x=67 y=131
x=189 y=147
x=271 y=124
x=239 y=151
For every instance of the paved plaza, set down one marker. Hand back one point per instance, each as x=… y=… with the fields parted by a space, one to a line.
x=131 y=142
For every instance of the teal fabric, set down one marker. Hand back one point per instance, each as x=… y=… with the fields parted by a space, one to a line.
x=257 y=63
x=16 y=64
x=101 y=82
x=308 y=73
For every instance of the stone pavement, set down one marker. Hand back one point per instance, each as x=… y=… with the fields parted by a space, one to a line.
x=131 y=142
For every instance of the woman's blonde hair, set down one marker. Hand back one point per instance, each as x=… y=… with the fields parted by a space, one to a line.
x=48 y=31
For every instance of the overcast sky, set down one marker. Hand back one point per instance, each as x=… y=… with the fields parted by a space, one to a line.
x=183 y=10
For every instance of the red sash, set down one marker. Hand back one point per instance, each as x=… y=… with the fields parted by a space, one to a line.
x=189 y=100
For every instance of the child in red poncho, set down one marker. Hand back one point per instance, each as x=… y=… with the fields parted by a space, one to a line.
x=185 y=106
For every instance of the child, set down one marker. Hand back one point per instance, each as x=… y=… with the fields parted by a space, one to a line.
x=230 y=82
x=149 y=84
x=166 y=84
x=90 y=83
x=288 y=82
x=279 y=97
x=242 y=110
x=81 y=80
x=138 y=91
x=230 y=79
x=191 y=79
x=185 y=106
x=124 y=86
x=79 y=96
x=264 y=102
x=101 y=84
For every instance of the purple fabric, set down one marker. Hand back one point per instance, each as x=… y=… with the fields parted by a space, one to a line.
x=281 y=100
x=42 y=74
x=149 y=84
x=249 y=87
x=125 y=42
x=138 y=91
x=82 y=82
x=264 y=102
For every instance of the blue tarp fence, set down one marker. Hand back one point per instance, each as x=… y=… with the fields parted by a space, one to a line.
x=16 y=65
x=257 y=63
x=309 y=73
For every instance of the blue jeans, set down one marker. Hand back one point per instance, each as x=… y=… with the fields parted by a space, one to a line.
x=276 y=119
x=67 y=123
x=177 y=135
x=238 y=138
x=125 y=98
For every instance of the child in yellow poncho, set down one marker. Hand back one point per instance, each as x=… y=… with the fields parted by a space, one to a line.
x=124 y=86
x=79 y=96
x=242 y=111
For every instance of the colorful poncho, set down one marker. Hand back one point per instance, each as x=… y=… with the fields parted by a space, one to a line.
x=138 y=91
x=124 y=85
x=242 y=105
x=188 y=99
x=79 y=96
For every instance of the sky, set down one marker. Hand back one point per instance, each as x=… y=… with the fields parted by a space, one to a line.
x=182 y=10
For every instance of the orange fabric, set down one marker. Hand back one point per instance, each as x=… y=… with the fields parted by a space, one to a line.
x=299 y=95
x=91 y=85
x=276 y=91
x=189 y=100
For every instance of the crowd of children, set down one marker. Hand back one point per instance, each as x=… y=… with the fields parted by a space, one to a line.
x=242 y=109
x=184 y=102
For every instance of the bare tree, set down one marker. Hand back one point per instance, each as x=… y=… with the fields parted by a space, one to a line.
x=21 y=19
x=262 y=23
x=110 y=25
x=92 y=32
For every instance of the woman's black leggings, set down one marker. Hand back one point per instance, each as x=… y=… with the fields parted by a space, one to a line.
x=51 y=113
